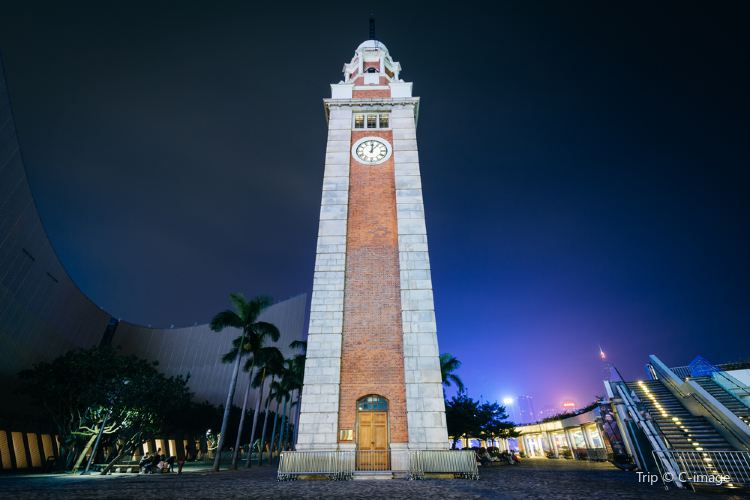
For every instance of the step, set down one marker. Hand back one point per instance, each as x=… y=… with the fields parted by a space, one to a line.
x=372 y=475
x=696 y=429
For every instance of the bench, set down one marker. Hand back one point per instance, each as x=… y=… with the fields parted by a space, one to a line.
x=124 y=467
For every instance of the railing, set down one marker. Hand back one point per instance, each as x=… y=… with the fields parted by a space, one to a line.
x=590 y=453
x=702 y=367
x=708 y=468
x=681 y=371
x=462 y=463
x=337 y=465
x=732 y=386
x=341 y=465
x=655 y=439
x=734 y=429
x=373 y=460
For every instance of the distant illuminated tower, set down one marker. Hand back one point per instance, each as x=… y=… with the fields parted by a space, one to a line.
x=568 y=405
x=372 y=376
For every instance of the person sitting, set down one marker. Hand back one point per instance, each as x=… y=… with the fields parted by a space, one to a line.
x=155 y=461
x=483 y=457
x=165 y=464
x=145 y=464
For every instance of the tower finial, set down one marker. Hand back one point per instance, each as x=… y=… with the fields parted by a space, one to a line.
x=372 y=27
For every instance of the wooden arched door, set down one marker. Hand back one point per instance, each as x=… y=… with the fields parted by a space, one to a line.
x=372 y=434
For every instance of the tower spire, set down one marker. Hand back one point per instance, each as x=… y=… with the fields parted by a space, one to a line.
x=372 y=27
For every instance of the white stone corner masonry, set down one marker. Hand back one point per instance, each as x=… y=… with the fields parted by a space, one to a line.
x=425 y=408
x=318 y=423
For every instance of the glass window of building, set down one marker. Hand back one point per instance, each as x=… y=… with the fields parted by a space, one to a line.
x=371 y=120
x=372 y=403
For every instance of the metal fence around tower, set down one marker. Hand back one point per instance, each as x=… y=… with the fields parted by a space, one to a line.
x=337 y=465
x=375 y=460
x=461 y=463
x=342 y=465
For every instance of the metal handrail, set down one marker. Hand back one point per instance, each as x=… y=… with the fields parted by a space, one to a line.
x=734 y=383
x=711 y=468
x=717 y=417
x=655 y=437
x=686 y=371
x=681 y=371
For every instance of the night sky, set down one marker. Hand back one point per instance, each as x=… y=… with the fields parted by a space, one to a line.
x=585 y=167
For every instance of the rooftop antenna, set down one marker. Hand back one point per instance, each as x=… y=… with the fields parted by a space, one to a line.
x=372 y=27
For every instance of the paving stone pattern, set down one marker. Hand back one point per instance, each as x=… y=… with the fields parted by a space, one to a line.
x=547 y=479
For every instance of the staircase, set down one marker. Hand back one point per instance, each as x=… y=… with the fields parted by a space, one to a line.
x=681 y=429
x=724 y=397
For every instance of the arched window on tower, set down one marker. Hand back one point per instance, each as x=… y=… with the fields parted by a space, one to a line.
x=372 y=403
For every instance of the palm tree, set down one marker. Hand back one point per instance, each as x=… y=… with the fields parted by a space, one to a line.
x=279 y=393
x=289 y=384
x=257 y=354
x=244 y=317
x=274 y=369
x=268 y=361
x=448 y=365
x=296 y=379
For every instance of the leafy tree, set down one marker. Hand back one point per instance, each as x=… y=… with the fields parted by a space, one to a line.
x=85 y=389
x=461 y=416
x=448 y=366
x=471 y=418
x=492 y=421
x=245 y=318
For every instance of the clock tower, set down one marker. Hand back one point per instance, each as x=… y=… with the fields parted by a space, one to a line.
x=372 y=376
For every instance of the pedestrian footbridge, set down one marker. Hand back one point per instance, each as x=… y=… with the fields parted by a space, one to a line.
x=688 y=424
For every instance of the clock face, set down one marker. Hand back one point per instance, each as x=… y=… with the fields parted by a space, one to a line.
x=371 y=151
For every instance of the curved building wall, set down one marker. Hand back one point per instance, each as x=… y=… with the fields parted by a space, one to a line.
x=197 y=350
x=43 y=314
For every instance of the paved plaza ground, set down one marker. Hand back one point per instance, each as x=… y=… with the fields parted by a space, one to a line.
x=548 y=479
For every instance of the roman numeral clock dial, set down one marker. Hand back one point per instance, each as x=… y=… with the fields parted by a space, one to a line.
x=371 y=150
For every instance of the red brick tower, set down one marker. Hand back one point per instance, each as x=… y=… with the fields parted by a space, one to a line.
x=372 y=377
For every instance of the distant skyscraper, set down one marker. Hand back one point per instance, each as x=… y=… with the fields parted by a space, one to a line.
x=526 y=412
